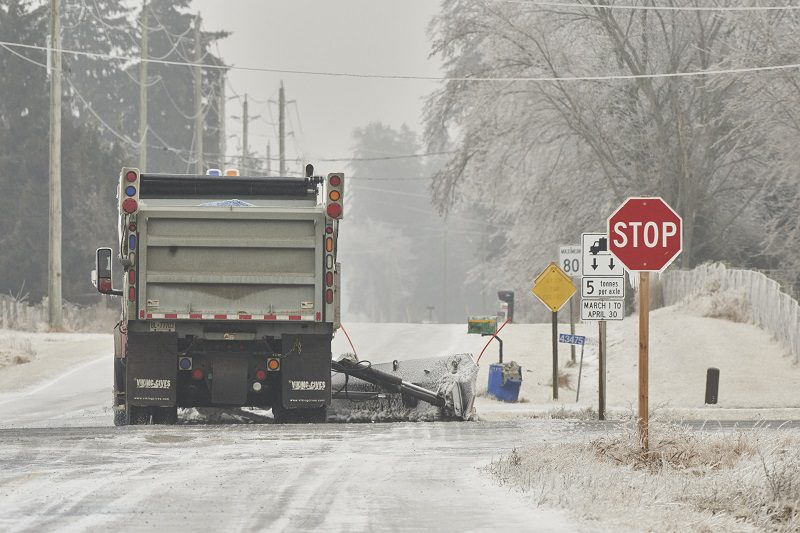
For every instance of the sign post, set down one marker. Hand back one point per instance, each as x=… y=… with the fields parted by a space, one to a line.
x=553 y=288
x=603 y=298
x=645 y=234
x=569 y=258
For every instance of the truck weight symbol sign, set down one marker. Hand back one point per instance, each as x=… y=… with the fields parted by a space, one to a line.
x=645 y=234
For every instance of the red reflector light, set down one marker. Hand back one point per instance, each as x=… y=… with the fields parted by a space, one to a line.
x=260 y=375
x=329 y=296
x=129 y=205
x=197 y=374
x=329 y=229
x=131 y=294
x=131 y=176
x=336 y=180
x=132 y=277
x=334 y=210
x=329 y=279
x=274 y=364
x=132 y=226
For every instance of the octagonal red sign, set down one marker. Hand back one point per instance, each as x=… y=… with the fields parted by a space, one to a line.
x=645 y=234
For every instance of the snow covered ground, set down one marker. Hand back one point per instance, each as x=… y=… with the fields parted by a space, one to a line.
x=62 y=465
x=757 y=378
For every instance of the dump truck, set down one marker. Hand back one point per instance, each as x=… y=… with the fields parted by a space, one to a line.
x=230 y=291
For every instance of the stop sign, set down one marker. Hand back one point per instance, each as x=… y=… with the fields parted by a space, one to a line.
x=645 y=234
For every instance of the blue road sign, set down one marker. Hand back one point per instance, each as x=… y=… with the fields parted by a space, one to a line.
x=566 y=338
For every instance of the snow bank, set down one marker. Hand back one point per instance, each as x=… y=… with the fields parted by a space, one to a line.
x=739 y=481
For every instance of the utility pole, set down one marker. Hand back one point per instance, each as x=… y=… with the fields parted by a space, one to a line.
x=244 y=136
x=269 y=159
x=143 y=92
x=223 y=141
x=282 y=129
x=54 y=314
x=198 y=100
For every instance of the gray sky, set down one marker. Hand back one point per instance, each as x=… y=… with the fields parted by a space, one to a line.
x=363 y=36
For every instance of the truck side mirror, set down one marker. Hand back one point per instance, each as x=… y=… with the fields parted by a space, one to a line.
x=101 y=277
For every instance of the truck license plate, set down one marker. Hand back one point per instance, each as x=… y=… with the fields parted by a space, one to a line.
x=162 y=326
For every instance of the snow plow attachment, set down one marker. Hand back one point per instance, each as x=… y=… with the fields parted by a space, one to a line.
x=438 y=388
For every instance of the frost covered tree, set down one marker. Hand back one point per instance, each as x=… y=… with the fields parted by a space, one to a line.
x=555 y=157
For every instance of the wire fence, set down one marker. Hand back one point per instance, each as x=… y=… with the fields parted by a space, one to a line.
x=768 y=306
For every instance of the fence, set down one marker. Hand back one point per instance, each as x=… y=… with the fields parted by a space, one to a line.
x=20 y=315
x=769 y=307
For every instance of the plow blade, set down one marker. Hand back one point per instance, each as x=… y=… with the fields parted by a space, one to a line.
x=438 y=388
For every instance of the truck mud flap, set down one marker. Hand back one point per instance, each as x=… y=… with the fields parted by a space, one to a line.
x=229 y=386
x=306 y=371
x=151 y=369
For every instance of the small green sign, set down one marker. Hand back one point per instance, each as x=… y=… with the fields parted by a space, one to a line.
x=482 y=325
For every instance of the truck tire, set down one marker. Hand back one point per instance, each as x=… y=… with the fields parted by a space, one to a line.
x=137 y=415
x=120 y=417
x=313 y=415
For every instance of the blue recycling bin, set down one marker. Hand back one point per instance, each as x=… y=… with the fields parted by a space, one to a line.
x=504 y=381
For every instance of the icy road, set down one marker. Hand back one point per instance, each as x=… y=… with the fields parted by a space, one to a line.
x=63 y=466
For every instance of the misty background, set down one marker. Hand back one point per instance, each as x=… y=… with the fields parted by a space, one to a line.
x=455 y=187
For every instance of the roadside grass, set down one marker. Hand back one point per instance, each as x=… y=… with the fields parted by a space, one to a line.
x=687 y=481
x=15 y=351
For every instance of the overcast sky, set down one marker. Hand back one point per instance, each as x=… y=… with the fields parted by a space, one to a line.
x=360 y=36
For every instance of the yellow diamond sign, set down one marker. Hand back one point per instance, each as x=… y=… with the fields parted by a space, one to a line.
x=553 y=287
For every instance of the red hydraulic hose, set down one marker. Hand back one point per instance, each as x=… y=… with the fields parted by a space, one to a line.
x=351 y=342
x=490 y=340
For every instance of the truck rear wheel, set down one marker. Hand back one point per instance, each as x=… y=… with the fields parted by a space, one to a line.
x=137 y=415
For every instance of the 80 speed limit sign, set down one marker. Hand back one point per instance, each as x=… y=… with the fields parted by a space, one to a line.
x=569 y=259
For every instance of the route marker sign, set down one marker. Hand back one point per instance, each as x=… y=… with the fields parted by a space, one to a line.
x=569 y=259
x=645 y=234
x=553 y=287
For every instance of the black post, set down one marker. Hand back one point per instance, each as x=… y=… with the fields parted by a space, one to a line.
x=500 y=342
x=712 y=386
x=555 y=355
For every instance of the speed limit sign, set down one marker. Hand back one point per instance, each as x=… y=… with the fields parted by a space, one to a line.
x=569 y=259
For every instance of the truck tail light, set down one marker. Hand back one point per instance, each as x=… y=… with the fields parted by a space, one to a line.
x=131 y=294
x=260 y=375
x=329 y=279
x=129 y=190
x=273 y=365
x=329 y=296
x=334 y=198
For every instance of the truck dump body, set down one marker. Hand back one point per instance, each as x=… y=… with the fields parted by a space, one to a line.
x=259 y=262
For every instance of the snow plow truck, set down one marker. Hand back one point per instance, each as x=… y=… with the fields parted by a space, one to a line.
x=230 y=291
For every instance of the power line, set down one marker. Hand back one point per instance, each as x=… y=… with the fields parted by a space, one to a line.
x=612 y=77
x=385 y=158
x=647 y=8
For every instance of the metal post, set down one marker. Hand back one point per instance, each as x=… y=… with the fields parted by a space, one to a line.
x=555 y=355
x=601 y=387
x=223 y=140
x=571 y=328
x=269 y=159
x=54 y=311
x=644 y=345
x=143 y=92
x=244 y=137
x=282 y=129
x=500 y=342
x=580 y=371
x=198 y=99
